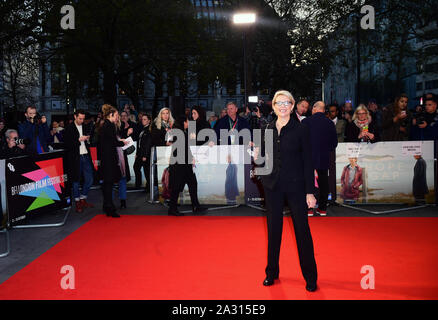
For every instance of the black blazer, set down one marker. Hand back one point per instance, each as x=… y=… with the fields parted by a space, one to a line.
x=109 y=160
x=323 y=137
x=144 y=143
x=200 y=125
x=72 y=148
x=292 y=168
x=158 y=136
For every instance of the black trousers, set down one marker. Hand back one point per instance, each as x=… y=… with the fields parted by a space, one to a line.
x=323 y=185
x=138 y=165
x=297 y=203
x=180 y=175
x=107 y=190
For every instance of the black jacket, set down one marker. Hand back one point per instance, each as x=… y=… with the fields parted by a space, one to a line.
x=144 y=143
x=292 y=168
x=72 y=148
x=108 y=156
x=158 y=136
x=200 y=125
x=7 y=153
x=323 y=137
x=352 y=132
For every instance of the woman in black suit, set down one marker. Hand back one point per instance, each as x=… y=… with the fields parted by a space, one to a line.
x=291 y=178
x=142 y=156
x=109 y=161
x=198 y=115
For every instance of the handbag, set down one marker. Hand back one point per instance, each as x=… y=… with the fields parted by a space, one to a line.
x=130 y=150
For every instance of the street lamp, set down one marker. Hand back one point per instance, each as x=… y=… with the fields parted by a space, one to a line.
x=244 y=19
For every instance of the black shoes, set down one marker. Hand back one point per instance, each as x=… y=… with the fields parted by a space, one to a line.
x=111 y=212
x=269 y=281
x=199 y=210
x=122 y=204
x=311 y=287
x=174 y=212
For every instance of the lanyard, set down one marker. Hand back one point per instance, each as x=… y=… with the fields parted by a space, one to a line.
x=235 y=123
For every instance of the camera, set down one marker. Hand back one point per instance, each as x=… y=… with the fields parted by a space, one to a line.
x=419 y=117
x=21 y=141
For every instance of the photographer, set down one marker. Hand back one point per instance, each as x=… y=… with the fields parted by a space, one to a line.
x=425 y=123
x=13 y=147
x=36 y=130
x=256 y=119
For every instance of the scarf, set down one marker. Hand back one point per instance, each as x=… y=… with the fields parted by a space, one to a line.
x=362 y=124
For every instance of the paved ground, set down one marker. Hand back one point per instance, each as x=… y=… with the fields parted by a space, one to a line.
x=28 y=244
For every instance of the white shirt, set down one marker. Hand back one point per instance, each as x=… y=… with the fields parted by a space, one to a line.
x=82 y=148
x=301 y=118
x=335 y=120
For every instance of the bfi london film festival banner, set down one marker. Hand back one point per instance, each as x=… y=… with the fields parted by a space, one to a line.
x=35 y=185
x=385 y=172
x=220 y=172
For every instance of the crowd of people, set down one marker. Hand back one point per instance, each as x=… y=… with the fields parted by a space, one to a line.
x=111 y=129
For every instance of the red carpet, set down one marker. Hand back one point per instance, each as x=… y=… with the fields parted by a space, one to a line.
x=160 y=257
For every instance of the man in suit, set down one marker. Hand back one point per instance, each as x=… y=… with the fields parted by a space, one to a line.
x=324 y=140
x=233 y=123
x=78 y=159
x=339 y=123
x=299 y=114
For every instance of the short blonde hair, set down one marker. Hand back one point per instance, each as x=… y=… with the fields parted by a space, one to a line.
x=283 y=93
x=359 y=108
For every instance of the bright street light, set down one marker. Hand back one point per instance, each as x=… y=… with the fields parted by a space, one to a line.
x=244 y=18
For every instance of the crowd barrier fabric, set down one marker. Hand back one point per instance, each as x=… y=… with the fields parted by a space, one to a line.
x=385 y=172
x=220 y=172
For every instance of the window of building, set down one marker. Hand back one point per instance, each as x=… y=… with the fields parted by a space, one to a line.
x=56 y=78
x=419 y=86
x=432 y=67
x=433 y=84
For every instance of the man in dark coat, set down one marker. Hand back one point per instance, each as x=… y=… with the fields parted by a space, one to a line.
x=324 y=140
x=231 y=122
x=78 y=159
x=419 y=184
x=35 y=130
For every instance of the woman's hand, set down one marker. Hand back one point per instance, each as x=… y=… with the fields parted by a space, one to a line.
x=369 y=135
x=311 y=201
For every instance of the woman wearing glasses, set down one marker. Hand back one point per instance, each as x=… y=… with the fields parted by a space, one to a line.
x=291 y=178
x=362 y=128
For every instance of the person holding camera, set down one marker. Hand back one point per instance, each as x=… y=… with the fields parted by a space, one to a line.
x=425 y=123
x=12 y=147
x=397 y=120
x=36 y=130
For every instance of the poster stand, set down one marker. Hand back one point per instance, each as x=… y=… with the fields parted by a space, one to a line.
x=358 y=206
x=47 y=225
x=153 y=190
x=6 y=252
